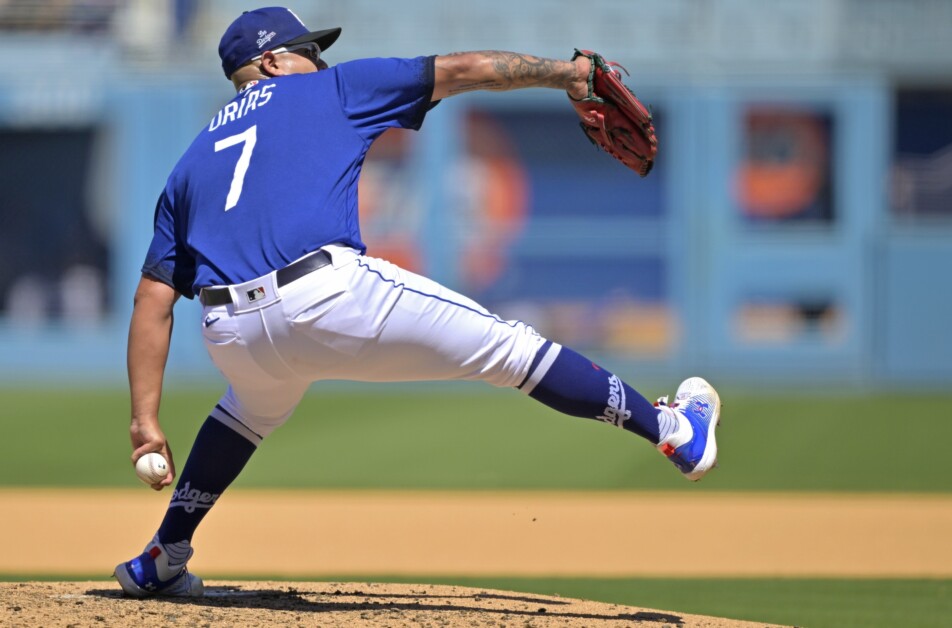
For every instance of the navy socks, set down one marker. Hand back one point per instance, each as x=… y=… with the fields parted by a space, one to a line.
x=217 y=457
x=572 y=384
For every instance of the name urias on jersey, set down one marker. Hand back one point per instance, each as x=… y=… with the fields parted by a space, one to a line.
x=250 y=100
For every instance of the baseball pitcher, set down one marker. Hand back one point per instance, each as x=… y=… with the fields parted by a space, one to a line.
x=258 y=221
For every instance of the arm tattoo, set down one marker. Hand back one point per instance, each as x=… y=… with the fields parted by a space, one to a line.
x=518 y=70
x=469 y=87
x=512 y=70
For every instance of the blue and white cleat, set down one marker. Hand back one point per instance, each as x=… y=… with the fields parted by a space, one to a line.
x=692 y=447
x=150 y=574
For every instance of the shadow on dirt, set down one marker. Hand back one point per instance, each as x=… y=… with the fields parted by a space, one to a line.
x=346 y=600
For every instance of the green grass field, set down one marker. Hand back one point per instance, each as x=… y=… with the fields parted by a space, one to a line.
x=476 y=438
x=492 y=440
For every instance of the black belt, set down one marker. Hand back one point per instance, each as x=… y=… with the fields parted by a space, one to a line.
x=291 y=272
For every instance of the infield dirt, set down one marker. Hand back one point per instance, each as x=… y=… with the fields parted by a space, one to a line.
x=326 y=604
x=306 y=535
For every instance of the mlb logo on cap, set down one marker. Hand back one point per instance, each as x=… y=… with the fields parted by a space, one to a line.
x=264 y=29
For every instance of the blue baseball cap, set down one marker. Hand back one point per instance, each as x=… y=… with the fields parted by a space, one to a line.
x=266 y=29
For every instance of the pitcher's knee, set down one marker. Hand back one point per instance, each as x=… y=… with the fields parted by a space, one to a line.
x=253 y=424
x=508 y=364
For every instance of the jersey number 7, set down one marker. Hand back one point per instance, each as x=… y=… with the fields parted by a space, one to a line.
x=248 y=137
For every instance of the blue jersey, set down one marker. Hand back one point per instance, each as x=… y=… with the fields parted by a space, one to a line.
x=274 y=174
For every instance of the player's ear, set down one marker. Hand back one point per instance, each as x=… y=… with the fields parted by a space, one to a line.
x=270 y=64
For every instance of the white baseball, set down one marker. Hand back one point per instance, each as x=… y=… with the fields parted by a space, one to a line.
x=152 y=468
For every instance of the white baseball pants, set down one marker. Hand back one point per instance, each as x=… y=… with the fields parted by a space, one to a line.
x=359 y=318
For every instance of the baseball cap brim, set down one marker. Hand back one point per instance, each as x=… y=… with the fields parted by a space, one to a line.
x=323 y=38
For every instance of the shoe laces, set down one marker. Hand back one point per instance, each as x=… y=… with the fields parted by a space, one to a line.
x=663 y=401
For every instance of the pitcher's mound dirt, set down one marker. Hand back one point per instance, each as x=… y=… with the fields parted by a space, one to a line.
x=35 y=604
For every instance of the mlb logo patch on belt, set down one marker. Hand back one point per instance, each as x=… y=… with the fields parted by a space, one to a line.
x=256 y=294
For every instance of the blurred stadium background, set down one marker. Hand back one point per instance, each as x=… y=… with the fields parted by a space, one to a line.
x=797 y=230
x=795 y=239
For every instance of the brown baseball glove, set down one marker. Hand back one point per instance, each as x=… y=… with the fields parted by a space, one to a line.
x=613 y=117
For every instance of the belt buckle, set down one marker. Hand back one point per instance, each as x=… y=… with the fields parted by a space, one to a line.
x=255 y=294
